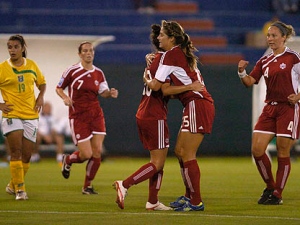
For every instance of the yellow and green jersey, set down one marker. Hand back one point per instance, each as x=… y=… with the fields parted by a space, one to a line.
x=17 y=88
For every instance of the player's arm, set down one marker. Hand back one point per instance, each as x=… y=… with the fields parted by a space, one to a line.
x=168 y=89
x=246 y=80
x=153 y=84
x=110 y=93
x=39 y=102
x=66 y=99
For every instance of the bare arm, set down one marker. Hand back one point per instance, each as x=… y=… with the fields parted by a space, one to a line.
x=246 y=80
x=153 y=84
x=39 y=102
x=66 y=99
x=112 y=93
x=168 y=89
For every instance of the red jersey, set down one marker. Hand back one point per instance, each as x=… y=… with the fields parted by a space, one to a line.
x=281 y=73
x=153 y=105
x=84 y=86
x=174 y=64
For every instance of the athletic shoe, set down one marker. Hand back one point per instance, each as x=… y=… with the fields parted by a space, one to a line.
x=65 y=169
x=157 y=206
x=89 y=191
x=189 y=207
x=121 y=193
x=265 y=196
x=273 y=200
x=21 y=195
x=179 y=202
x=9 y=190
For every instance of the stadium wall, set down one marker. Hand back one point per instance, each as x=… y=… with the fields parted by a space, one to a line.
x=232 y=128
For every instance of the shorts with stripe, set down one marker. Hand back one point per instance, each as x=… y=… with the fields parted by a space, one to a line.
x=198 y=117
x=281 y=119
x=154 y=134
x=83 y=128
x=29 y=127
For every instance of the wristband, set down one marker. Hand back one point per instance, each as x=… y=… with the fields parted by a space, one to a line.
x=242 y=74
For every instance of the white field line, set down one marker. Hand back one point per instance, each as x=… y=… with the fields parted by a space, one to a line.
x=155 y=214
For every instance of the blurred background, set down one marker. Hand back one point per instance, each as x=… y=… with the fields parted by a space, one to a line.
x=224 y=31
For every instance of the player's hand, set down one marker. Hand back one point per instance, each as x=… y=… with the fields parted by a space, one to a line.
x=68 y=101
x=39 y=102
x=114 y=93
x=242 y=65
x=5 y=107
x=197 y=86
x=149 y=58
x=293 y=99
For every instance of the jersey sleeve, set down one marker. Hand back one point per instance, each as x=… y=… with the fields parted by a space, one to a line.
x=103 y=86
x=40 y=77
x=165 y=67
x=64 y=80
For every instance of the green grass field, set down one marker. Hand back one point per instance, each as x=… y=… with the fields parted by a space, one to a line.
x=230 y=188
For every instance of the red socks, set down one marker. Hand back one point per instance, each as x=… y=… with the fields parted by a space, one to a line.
x=144 y=173
x=283 y=172
x=74 y=158
x=91 y=170
x=264 y=167
x=154 y=186
x=192 y=176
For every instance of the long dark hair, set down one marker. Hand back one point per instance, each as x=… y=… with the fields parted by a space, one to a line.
x=20 y=38
x=174 y=29
x=155 y=31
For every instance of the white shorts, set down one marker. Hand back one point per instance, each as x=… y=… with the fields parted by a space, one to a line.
x=29 y=127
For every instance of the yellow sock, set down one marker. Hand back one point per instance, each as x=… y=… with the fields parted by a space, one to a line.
x=17 y=175
x=25 y=168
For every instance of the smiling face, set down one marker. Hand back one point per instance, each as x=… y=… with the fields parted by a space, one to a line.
x=165 y=42
x=275 y=39
x=15 y=50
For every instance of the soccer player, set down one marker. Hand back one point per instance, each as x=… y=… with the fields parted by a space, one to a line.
x=85 y=82
x=153 y=131
x=20 y=110
x=280 y=116
x=180 y=63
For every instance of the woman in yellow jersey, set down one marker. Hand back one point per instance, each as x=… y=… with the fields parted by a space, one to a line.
x=20 y=110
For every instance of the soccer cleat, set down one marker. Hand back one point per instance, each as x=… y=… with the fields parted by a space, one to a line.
x=65 y=168
x=265 y=196
x=157 y=206
x=189 y=207
x=21 y=195
x=89 y=191
x=121 y=193
x=273 y=200
x=180 y=201
x=9 y=190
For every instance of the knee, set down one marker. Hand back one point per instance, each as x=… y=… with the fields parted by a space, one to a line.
x=257 y=152
x=159 y=165
x=179 y=153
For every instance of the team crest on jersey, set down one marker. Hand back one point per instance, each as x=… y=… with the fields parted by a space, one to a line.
x=77 y=136
x=21 y=78
x=96 y=82
x=282 y=66
x=61 y=81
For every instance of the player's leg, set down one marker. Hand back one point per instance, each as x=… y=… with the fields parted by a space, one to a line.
x=93 y=163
